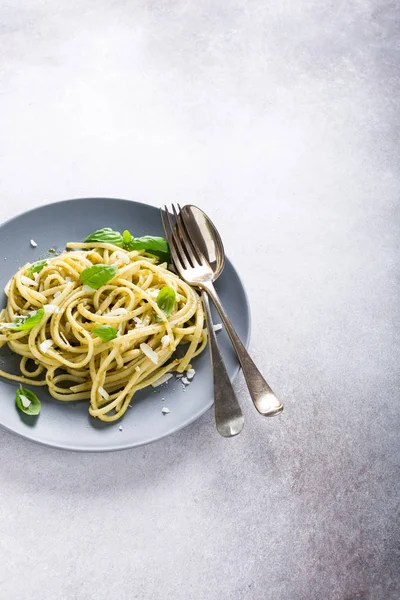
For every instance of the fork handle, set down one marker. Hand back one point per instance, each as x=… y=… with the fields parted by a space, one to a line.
x=264 y=399
x=228 y=415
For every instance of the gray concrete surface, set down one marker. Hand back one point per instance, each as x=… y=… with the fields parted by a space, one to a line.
x=281 y=119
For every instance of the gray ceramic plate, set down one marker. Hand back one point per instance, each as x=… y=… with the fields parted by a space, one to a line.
x=69 y=425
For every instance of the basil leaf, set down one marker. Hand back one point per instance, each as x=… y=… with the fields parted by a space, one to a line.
x=152 y=244
x=106 y=332
x=26 y=322
x=106 y=235
x=166 y=300
x=127 y=238
x=27 y=401
x=98 y=275
x=37 y=266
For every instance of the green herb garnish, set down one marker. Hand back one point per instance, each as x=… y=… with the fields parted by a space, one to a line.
x=150 y=243
x=98 y=275
x=37 y=266
x=166 y=300
x=106 y=235
x=27 y=401
x=25 y=322
x=127 y=238
x=106 y=332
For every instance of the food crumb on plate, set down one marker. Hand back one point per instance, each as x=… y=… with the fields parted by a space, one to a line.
x=185 y=381
x=120 y=428
x=190 y=373
x=163 y=379
x=165 y=410
x=217 y=327
x=33 y=244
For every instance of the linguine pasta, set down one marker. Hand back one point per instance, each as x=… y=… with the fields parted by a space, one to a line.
x=62 y=351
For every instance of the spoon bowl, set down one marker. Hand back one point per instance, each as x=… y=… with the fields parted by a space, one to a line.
x=206 y=237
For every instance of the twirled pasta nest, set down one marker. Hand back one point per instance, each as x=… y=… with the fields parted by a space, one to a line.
x=77 y=364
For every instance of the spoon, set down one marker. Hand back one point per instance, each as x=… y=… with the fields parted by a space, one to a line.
x=205 y=235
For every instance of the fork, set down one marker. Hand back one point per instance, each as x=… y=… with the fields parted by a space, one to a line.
x=228 y=414
x=195 y=270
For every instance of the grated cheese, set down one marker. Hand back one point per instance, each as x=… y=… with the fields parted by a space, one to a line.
x=139 y=322
x=165 y=341
x=51 y=308
x=25 y=401
x=44 y=346
x=163 y=379
x=117 y=312
x=190 y=373
x=64 y=339
x=27 y=281
x=149 y=352
x=103 y=393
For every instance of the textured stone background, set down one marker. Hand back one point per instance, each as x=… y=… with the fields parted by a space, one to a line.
x=281 y=119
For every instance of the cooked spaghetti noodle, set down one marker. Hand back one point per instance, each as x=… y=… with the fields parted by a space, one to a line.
x=69 y=357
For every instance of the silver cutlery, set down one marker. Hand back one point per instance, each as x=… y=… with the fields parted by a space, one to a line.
x=194 y=268
x=228 y=414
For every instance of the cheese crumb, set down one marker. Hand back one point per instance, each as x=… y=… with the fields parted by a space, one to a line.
x=117 y=312
x=190 y=373
x=25 y=401
x=27 y=281
x=217 y=327
x=165 y=341
x=33 y=244
x=51 y=308
x=149 y=352
x=44 y=346
x=185 y=381
x=103 y=393
x=163 y=379
x=120 y=428
x=165 y=410
x=64 y=339
x=87 y=288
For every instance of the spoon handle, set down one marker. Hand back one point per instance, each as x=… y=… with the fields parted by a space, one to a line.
x=228 y=415
x=264 y=399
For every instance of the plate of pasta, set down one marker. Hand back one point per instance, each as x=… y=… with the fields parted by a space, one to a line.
x=102 y=344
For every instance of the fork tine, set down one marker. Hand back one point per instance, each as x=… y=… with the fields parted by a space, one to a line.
x=185 y=238
x=201 y=259
x=182 y=219
x=175 y=256
x=177 y=242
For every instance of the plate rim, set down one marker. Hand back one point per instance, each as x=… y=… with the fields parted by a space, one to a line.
x=182 y=425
